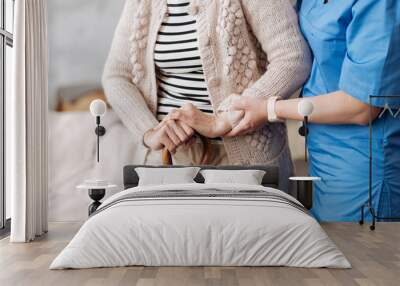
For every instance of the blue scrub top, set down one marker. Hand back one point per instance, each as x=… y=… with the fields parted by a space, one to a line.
x=356 y=49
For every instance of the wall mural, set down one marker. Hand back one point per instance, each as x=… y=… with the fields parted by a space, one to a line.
x=216 y=83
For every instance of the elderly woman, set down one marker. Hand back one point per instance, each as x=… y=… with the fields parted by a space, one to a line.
x=167 y=54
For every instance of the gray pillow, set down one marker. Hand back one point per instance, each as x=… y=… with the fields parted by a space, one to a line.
x=166 y=176
x=245 y=177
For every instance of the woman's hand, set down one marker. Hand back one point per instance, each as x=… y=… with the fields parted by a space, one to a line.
x=208 y=125
x=169 y=134
x=255 y=115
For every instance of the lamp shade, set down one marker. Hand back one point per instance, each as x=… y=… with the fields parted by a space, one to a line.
x=98 y=107
x=305 y=107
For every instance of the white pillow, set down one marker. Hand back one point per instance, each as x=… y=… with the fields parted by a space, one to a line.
x=166 y=176
x=246 y=177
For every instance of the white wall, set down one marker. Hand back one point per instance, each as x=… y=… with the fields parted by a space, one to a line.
x=80 y=34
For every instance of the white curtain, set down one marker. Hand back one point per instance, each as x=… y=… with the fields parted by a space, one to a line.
x=26 y=123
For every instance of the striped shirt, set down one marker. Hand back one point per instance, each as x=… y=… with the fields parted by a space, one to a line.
x=180 y=76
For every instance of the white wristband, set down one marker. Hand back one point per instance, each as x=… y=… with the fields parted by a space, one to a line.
x=272 y=117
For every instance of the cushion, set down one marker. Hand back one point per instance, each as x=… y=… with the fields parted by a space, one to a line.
x=166 y=176
x=246 y=177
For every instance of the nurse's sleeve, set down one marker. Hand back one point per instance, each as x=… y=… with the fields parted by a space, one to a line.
x=372 y=62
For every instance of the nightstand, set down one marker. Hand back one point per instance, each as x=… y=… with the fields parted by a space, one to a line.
x=96 y=191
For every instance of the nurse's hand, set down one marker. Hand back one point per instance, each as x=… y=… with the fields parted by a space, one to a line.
x=255 y=115
x=169 y=134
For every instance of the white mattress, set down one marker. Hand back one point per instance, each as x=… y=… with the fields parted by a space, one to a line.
x=200 y=231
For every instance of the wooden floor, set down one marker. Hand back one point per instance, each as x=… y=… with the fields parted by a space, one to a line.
x=375 y=257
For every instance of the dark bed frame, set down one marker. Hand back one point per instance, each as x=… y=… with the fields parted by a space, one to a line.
x=271 y=178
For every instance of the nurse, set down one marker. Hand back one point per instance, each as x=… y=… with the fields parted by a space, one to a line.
x=356 y=54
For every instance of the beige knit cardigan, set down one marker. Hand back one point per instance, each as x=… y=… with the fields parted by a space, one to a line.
x=248 y=47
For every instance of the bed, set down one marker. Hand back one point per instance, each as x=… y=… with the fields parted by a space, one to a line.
x=199 y=224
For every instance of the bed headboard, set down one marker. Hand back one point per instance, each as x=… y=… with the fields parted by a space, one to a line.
x=271 y=178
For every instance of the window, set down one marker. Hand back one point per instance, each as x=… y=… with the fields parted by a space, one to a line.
x=6 y=44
